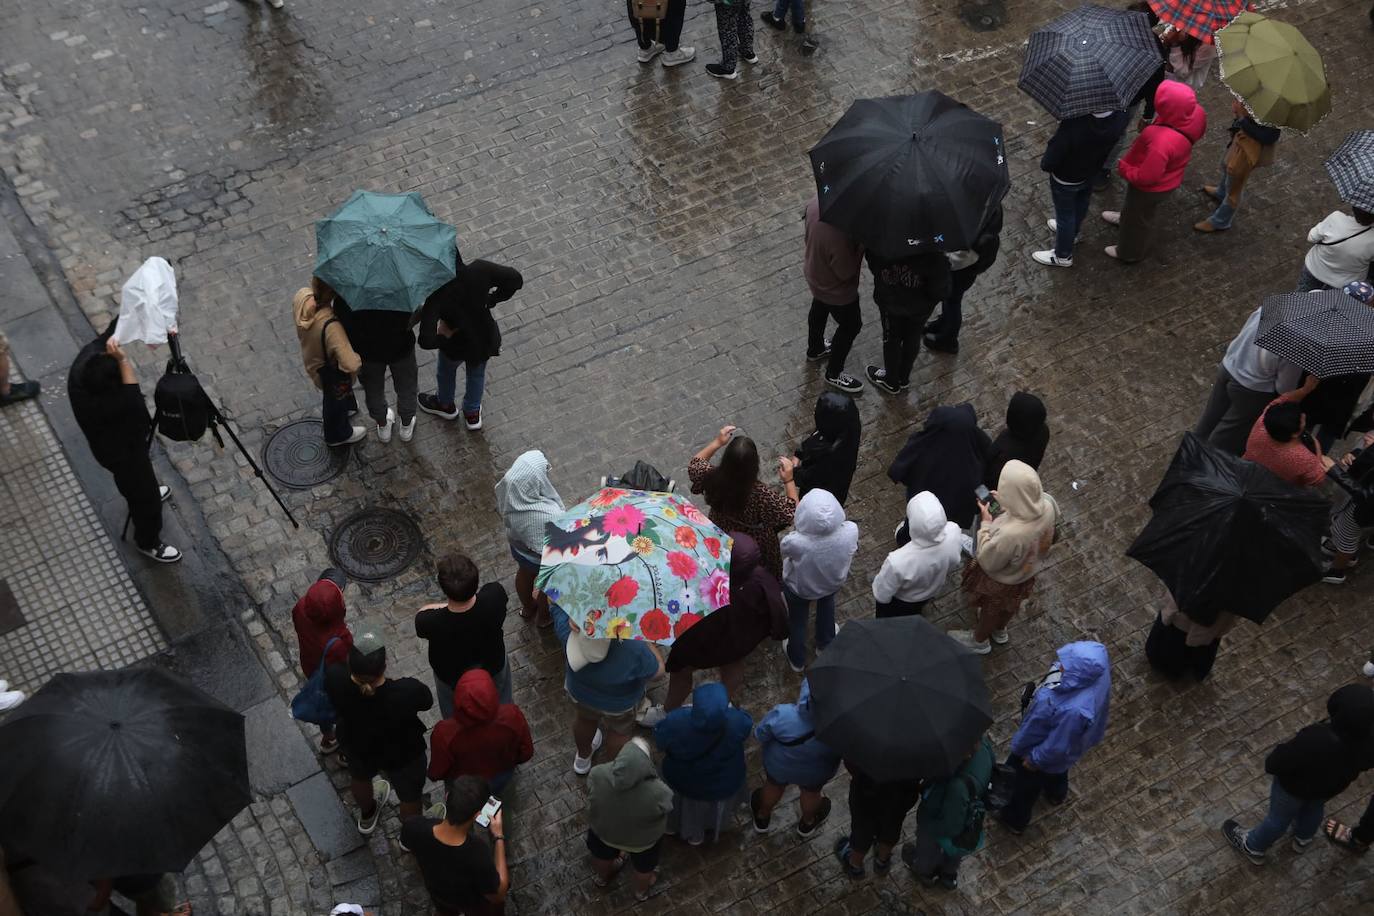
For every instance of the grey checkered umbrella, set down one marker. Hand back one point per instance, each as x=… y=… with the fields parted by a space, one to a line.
x=1327 y=333
x=1351 y=167
x=1091 y=59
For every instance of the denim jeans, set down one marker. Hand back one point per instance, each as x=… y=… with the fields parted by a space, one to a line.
x=1285 y=810
x=446 y=382
x=1070 y=209
x=798 y=8
x=1224 y=213
x=798 y=610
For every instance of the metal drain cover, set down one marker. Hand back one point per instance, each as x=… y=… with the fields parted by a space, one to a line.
x=298 y=458
x=373 y=545
x=983 y=15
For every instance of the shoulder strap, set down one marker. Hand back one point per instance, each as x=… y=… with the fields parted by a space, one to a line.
x=325 y=653
x=324 y=348
x=1348 y=237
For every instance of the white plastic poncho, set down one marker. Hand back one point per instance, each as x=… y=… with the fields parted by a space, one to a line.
x=148 y=304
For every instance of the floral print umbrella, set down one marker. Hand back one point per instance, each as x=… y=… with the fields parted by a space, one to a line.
x=630 y=564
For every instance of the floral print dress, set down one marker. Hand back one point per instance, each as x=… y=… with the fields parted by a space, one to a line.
x=766 y=512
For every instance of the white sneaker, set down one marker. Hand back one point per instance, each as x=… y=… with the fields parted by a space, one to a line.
x=1052 y=224
x=359 y=434
x=1112 y=216
x=1368 y=669
x=965 y=639
x=583 y=765
x=408 y=430
x=1000 y=637
x=794 y=668
x=4 y=685
x=163 y=553
x=646 y=55
x=1050 y=259
x=10 y=699
x=384 y=429
x=677 y=58
x=164 y=492
x=276 y=4
x=651 y=716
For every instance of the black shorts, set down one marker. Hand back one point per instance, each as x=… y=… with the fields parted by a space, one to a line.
x=408 y=782
x=642 y=862
x=779 y=784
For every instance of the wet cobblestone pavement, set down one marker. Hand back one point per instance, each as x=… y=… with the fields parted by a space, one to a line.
x=656 y=216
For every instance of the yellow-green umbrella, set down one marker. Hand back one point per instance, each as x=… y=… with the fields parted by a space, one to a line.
x=1276 y=73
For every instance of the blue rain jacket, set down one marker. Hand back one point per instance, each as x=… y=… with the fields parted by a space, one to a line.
x=1064 y=720
x=704 y=745
x=792 y=754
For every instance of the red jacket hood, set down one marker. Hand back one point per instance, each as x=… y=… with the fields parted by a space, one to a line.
x=1176 y=106
x=475 y=701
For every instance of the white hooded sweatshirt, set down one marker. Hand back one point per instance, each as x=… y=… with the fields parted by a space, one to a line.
x=915 y=571
x=816 y=556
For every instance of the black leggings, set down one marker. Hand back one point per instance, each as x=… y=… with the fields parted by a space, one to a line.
x=877 y=810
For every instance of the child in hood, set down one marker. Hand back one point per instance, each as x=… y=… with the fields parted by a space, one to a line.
x=830 y=455
x=322 y=637
x=793 y=755
x=627 y=814
x=913 y=573
x=484 y=737
x=1153 y=167
x=815 y=562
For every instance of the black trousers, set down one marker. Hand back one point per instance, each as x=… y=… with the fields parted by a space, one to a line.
x=1027 y=789
x=899 y=608
x=137 y=483
x=848 y=322
x=902 y=341
x=1168 y=652
x=667 y=30
x=1364 y=830
x=877 y=810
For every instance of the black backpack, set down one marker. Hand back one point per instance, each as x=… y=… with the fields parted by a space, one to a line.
x=183 y=408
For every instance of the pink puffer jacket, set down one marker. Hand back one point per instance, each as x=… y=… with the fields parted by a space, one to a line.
x=1158 y=157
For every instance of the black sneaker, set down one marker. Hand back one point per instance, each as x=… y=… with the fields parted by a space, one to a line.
x=799 y=27
x=1333 y=576
x=807 y=828
x=1328 y=548
x=431 y=404
x=846 y=383
x=769 y=19
x=163 y=553
x=20 y=391
x=720 y=73
x=940 y=345
x=877 y=377
x=761 y=824
x=750 y=58
x=1236 y=837
x=822 y=353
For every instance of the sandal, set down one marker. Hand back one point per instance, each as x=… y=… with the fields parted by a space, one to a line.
x=616 y=865
x=1342 y=835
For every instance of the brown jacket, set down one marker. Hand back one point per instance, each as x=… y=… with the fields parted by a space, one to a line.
x=310 y=319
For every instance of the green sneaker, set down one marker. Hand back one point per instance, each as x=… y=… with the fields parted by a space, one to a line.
x=381 y=793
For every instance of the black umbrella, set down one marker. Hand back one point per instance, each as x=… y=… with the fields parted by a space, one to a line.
x=911 y=172
x=115 y=773
x=1351 y=167
x=1228 y=535
x=899 y=699
x=1090 y=59
x=1326 y=332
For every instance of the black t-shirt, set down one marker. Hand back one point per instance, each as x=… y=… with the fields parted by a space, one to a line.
x=471 y=639
x=383 y=730
x=455 y=876
x=378 y=336
x=116 y=422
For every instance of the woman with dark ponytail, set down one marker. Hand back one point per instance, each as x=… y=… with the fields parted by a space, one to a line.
x=737 y=500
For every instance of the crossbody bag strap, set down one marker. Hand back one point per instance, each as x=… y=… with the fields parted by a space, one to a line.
x=324 y=347
x=325 y=653
x=1348 y=237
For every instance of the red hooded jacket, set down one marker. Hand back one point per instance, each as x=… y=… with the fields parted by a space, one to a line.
x=1158 y=157
x=319 y=617
x=484 y=737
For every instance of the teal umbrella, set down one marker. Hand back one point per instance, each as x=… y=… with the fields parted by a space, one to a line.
x=384 y=252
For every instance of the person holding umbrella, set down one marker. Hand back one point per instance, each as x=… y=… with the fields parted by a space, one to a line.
x=1073 y=158
x=965 y=265
x=1153 y=167
x=1276 y=440
x=1343 y=244
x=1330 y=408
x=906 y=290
x=1179 y=645
x=1251 y=147
x=1066 y=717
x=901 y=702
x=1247 y=379
x=1355 y=514
x=1308 y=770
x=832 y=264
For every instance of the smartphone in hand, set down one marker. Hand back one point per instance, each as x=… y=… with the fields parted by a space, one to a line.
x=488 y=811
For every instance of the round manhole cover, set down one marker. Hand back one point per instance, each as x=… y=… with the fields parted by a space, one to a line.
x=983 y=15
x=297 y=456
x=373 y=545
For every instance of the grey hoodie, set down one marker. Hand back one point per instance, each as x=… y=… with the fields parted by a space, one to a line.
x=628 y=803
x=915 y=571
x=817 y=554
